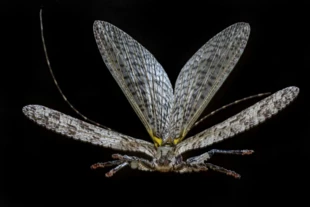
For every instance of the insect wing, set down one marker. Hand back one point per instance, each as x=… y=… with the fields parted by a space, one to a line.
x=242 y=121
x=80 y=130
x=141 y=78
x=203 y=75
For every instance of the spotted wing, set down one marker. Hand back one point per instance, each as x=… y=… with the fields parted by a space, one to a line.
x=203 y=75
x=139 y=75
x=80 y=130
x=240 y=122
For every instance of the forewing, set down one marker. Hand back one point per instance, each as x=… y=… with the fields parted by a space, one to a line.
x=139 y=75
x=240 y=122
x=203 y=75
x=80 y=130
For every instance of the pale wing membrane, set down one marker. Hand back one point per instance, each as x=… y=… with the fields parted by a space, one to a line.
x=139 y=75
x=203 y=75
x=240 y=122
x=80 y=130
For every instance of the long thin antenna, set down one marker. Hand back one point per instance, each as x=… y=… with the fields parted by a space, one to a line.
x=56 y=83
x=230 y=104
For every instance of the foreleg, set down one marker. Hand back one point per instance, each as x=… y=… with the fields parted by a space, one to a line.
x=106 y=164
x=122 y=161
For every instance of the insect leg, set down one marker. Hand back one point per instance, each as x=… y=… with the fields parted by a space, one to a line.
x=231 y=152
x=124 y=160
x=124 y=157
x=116 y=169
x=205 y=156
x=198 y=167
x=222 y=170
x=120 y=164
x=187 y=168
x=135 y=162
x=106 y=164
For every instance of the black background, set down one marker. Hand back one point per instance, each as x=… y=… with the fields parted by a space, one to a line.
x=41 y=168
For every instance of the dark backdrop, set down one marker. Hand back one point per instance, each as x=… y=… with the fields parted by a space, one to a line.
x=41 y=168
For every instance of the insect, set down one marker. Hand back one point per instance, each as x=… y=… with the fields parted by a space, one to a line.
x=168 y=115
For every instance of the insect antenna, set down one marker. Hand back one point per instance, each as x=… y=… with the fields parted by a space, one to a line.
x=230 y=104
x=56 y=83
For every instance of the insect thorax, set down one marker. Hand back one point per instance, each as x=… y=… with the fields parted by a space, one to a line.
x=165 y=159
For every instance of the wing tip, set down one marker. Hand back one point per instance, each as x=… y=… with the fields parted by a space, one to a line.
x=96 y=25
x=288 y=94
x=242 y=25
x=26 y=109
x=246 y=28
x=294 y=90
x=242 y=29
x=29 y=110
x=99 y=23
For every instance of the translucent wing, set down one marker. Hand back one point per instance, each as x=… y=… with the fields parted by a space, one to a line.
x=139 y=75
x=240 y=122
x=80 y=130
x=203 y=75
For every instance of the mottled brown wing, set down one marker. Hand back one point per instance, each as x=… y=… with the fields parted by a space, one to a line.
x=139 y=75
x=80 y=130
x=203 y=75
x=240 y=122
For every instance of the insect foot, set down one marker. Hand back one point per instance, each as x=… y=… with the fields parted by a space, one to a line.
x=222 y=170
x=119 y=165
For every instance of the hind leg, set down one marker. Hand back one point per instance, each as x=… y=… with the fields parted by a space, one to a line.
x=202 y=167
